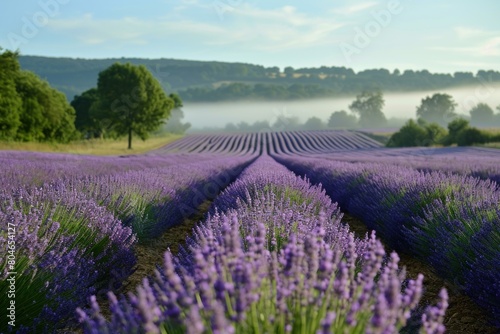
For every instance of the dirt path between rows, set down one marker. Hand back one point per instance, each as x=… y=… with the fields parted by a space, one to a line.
x=462 y=316
x=150 y=254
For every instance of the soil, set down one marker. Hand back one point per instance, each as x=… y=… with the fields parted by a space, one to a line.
x=149 y=255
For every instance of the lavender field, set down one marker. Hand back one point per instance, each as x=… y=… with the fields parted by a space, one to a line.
x=273 y=253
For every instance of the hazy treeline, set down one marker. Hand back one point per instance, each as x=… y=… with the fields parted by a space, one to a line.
x=437 y=111
x=219 y=81
x=367 y=111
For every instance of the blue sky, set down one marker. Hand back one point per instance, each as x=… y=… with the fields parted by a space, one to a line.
x=438 y=35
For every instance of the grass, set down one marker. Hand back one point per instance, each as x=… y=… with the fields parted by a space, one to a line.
x=94 y=146
x=493 y=132
x=490 y=145
x=381 y=137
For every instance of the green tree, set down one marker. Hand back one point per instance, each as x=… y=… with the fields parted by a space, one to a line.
x=231 y=127
x=418 y=133
x=46 y=114
x=175 y=124
x=132 y=100
x=286 y=123
x=289 y=72
x=177 y=100
x=455 y=127
x=313 y=123
x=86 y=121
x=261 y=126
x=342 y=120
x=411 y=134
x=10 y=101
x=439 y=108
x=471 y=136
x=434 y=133
x=244 y=126
x=369 y=105
x=481 y=115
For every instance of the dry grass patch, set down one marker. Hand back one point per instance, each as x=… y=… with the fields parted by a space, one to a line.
x=94 y=146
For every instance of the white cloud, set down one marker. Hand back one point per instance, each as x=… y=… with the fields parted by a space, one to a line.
x=136 y=31
x=488 y=48
x=467 y=32
x=469 y=64
x=491 y=47
x=249 y=28
x=473 y=42
x=348 y=10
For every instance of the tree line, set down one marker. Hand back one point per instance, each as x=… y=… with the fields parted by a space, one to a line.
x=220 y=81
x=437 y=112
x=459 y=131
x=127 y=101
x=30 y=109
x=366 y=111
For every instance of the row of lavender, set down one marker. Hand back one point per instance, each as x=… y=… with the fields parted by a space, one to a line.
x=474 y=161
x=272 y=258
x=74 y=228
x=35 y=168
x=297 y=142
x=346 y=146
x=450 y=221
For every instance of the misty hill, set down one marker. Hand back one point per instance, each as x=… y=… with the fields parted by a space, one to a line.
x=220 y=81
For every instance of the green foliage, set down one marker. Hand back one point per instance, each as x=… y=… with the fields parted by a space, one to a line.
x=200 y=80
x=177 y=100
x=342 y=120
x=418 y=133
x=45 y=114
x=422 y=133
x=10 y=102
x=455 y=127
x=132 y=100
x=175 y=124
x=368 y=105
x=33 y=291
x=246 y=91
x=439 y=108
x=86 y=121
x=314 y=123
x=471 y=136
x=411 y=134
x=31 y=110
x=434 y=132
x=481 y=115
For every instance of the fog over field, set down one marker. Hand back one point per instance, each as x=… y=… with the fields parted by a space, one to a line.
x=397 y=105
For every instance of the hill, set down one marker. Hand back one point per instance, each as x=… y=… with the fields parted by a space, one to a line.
x=219 y=81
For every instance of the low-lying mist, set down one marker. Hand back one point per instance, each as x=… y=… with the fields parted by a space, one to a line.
x=398 y=107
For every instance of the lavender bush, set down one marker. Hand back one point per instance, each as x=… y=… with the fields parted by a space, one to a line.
x=236 y=277
x=67 y=248
x=151 y=201
x=21 y=169
x=450 y=221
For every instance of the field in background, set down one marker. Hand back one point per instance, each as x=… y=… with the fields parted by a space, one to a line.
x=94 y=146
